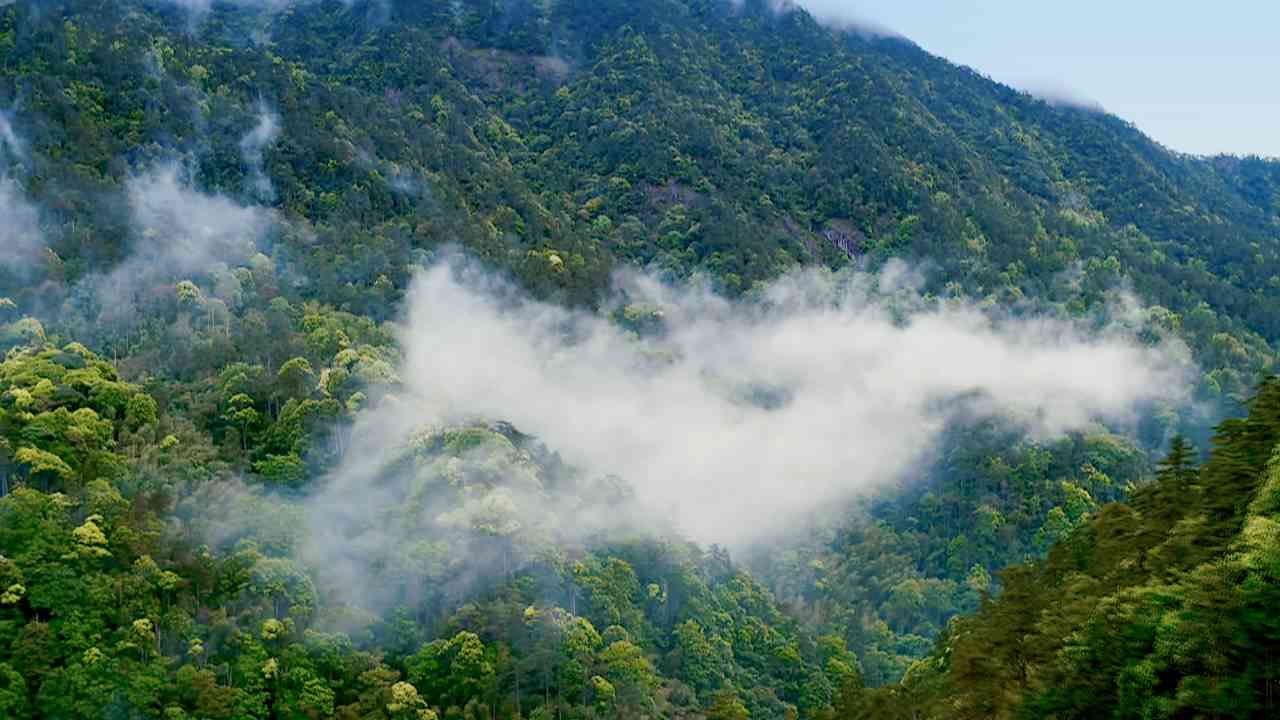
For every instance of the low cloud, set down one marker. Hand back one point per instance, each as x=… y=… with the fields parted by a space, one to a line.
x=181 y=230
x=517 y=429
x=836 y=14
x=178 y=232
x=263 y=134
x=20 y=236
x=199 y=8
x=12 y=149
x=1059 y=94
x=399 y=178
x=743 y=417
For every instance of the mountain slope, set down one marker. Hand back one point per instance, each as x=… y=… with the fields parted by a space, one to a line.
x=230 y=201
x=1162 y=607
x=692 y=136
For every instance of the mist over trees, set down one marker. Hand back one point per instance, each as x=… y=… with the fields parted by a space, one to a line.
x=663 y=359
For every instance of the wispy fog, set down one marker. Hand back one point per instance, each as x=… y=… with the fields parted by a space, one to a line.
x=252 y=146
x=177 y=231
x=20 y=236
x=734 y=419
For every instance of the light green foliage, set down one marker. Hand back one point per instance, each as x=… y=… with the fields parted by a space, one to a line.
x=40 y=461
x=24 y=331
x=141 y=411
x=450 y=673
x=727 y=706
x=295 y=376
x=272 y=629
x=558 y=140
x=614 y=590
x=1056 y=527
x=701 y=667
x=90 y=541
x=64 y=410
x=287 y=470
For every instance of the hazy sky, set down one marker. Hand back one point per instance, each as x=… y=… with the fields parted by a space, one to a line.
x=1198 y=77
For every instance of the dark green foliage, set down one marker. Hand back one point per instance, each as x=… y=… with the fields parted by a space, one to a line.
x=1159 y=609
x=557 y=141
x=893 y=575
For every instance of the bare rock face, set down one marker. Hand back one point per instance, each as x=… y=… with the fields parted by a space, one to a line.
x=846 y=237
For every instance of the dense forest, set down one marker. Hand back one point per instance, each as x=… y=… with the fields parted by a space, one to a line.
x=212 y=219
x=1162 y=606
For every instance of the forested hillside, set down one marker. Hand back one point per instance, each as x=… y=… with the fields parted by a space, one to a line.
x=212 y=216
x=1159 y=607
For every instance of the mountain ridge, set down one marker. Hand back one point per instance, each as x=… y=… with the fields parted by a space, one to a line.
x=212 y=224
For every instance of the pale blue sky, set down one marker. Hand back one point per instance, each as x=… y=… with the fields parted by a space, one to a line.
x=1199 y=77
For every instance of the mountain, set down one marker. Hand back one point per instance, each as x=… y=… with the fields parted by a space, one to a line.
x=1158 y=607
x=212 y=216
x=708 y=137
